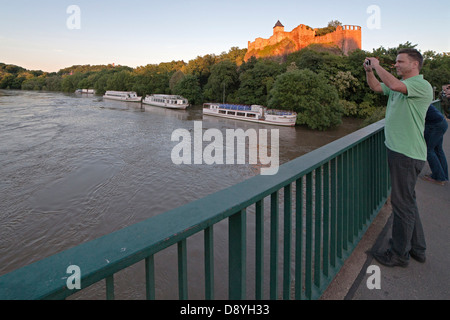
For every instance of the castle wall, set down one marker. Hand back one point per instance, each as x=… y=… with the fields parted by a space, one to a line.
x=347 y=38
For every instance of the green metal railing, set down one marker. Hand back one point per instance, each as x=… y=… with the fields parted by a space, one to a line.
x=325 y=200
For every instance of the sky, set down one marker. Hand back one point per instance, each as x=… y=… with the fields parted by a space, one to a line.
x=49 y=35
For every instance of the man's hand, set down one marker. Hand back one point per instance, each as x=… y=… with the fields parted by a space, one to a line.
x=374 y=63
x=372 y=81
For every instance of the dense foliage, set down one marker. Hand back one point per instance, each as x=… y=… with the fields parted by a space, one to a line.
x=318 y=82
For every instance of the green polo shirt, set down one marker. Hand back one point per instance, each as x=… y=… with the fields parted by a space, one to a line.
x=405 y=118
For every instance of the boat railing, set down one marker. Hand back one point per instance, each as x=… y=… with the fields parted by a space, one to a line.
x=238 y=107
x=280 y=112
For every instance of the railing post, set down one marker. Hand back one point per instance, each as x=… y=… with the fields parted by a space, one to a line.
x=110 y=287
x=209 y=263
x=287 y=242
x=298 y=238
x=308 y=237
x=333 y=213
x=237 y=255
x=326 y=218
x=274 y=246
x=318 y=226
x=182 y=270
x=150 y=277
x=259 y=259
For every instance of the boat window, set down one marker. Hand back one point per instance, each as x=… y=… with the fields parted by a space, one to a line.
x=251 y=115
x=232 y=113
x=222 y=112
x=241 y=114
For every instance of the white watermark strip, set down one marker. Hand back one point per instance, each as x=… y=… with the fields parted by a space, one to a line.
x=216 y=153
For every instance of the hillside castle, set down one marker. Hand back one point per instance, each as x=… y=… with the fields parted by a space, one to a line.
x=347 y=38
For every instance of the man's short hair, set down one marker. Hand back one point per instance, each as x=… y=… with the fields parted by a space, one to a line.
x=413 y=54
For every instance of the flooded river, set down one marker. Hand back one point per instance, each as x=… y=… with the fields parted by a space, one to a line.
x=77 y=167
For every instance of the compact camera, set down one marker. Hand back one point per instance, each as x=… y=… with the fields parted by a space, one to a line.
x=367 y=63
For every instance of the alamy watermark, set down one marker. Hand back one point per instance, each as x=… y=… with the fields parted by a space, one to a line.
x=221 y=150
x=74 y=280
x=374 y=20
x=73 y=22
x=374 y=280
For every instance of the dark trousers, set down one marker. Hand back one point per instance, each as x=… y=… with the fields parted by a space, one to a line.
x=434 y=136
x=407 y=231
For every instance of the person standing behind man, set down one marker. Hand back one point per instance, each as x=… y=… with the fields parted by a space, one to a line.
x=435 y=127
x=407 y=106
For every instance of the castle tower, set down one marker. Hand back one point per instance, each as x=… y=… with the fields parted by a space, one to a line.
x=278 y=27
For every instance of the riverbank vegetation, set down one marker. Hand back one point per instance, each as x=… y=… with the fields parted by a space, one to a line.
x=318 y=82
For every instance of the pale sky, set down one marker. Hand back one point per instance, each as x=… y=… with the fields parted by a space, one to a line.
x=35 y=34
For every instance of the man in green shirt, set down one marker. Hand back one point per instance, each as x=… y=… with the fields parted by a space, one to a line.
x=409 y=99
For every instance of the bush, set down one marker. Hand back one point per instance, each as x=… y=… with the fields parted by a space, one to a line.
x=309 y=94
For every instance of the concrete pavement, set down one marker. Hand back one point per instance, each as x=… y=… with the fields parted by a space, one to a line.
x=419 y=281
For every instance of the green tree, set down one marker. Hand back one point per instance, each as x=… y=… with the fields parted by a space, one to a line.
x=189 y=87
x=224 y=79
x=70 y=83
x=53 y=83
x=36 y=83
x=176 y=77
x=436 y=69
x=201 y=67
x=120 y=81
x=346 y=84
x=310 y=95
x=256 y=83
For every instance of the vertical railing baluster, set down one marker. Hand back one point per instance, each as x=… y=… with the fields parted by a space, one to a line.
x=150 y=277
x=333 y=213
x=309 y=237
x=365 y=185
x=378 y=170
x=237 y=255
x=326 y=218
x=340 y=205
x=368 y=180
x=298 y=238
x=287 y=242
x=259 y=254
x=351 y=196
x=372 y=165
x=361 y=186
x=355 y=193
x=318 y=226
x=182 y=270
x=209 y=263
x=110 y=287
x=274 y=246
x=346 y=203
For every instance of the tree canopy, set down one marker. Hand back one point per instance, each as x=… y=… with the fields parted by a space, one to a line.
x=319 y=82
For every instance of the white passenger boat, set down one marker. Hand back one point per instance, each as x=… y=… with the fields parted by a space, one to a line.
x=166 y=101
x=122 y=96
x=254 y=113
x=85 y=91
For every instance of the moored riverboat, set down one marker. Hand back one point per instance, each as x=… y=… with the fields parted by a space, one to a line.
x=122 y=96
x=85 y=91
x=254 y=113
x=166 y=101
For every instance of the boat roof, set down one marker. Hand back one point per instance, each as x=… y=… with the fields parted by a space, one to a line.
x=112 y=91
x=173 y=96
